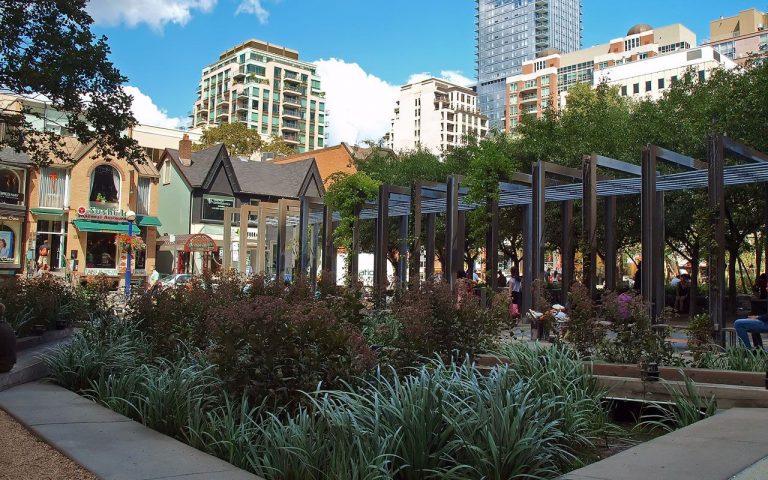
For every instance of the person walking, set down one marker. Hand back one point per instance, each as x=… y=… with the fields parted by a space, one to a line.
x=42 y=254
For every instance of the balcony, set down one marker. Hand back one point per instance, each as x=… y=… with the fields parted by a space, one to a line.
x=288 y=100
x=289 y=88
x=291 y=138
x=529 y=99
x=291 y=126
x=293 y=113
x=292 y=78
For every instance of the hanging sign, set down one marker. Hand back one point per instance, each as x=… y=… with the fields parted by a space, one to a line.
x=101 y=214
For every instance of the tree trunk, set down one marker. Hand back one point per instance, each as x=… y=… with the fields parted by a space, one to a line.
x=732 y=259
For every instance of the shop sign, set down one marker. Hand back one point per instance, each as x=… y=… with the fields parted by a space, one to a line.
x=200 y=243
x=101 y=214
x=11 y=197
x=10 y=217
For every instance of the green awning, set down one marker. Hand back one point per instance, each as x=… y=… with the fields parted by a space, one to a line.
x=94 y=226
x=47 y=211
x=147 y=221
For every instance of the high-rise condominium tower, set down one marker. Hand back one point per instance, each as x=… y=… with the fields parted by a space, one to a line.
x=268 y=88
x=510 y=32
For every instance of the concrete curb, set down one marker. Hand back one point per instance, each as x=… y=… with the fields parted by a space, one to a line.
x=109 y=445
x=29 y=367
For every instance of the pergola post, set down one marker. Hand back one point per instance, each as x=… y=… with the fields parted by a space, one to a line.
x=415 y=259
x=227 y=260
x=382 y=242
x=304 y=240
x=451 y=223
x=354 y=255
x=492 y=243
x=460 y=232
x=566 y=249
x=610 y=244
x=282 y=230
x=716 y=264
x=647 y=206
x=659 y=268
x=329 y=252
x=402 y=261
x=589 y=219
x=538 y=196
x=429 y=261
x=526 y=296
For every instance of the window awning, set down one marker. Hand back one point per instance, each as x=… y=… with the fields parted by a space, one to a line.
x=94 y=226
x=148 y=221
x=47 y=211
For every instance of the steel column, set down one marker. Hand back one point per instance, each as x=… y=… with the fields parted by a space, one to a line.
x=402 y=253
x=526 y=288
x=304 y=240
x=461 y=233
x=589 y=220
x=610 y=244
x=451 y=221
x=647 y=206
x=429 y=262
x=566 y=249
x=716 y=264
x=354 y=255
x=538 y=195
x=492 y=243
x=415 y=260
x=328 y=248
x=659 y=268
x=382 y=242
x=282 y=230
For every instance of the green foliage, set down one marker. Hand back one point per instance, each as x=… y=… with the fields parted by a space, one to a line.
x=688 y=407
x=278 y=145
x=50 y=54
x=635 y=341
x=735 y=358
x=236 y=137
x=47 y=300
x=583 y=330
x=700 y=335
x=347 y=193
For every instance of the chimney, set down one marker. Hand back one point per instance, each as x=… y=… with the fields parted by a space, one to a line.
x=185 y=151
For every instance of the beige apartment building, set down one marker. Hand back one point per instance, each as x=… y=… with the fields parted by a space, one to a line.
x=269 y=89
x=435 y=115
x=740 y=36
x=643 y=63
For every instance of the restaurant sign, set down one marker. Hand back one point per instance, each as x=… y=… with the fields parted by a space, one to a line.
x=200 y=243
x=101 y=214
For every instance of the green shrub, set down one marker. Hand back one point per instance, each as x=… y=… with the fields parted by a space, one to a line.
x=687 y=408
x=700 y=335
x=583 y=329
x=271 y=347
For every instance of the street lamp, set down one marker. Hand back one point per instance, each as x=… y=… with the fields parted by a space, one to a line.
x=130 y=215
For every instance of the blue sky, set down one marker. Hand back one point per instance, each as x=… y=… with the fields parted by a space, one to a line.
x=162 y=45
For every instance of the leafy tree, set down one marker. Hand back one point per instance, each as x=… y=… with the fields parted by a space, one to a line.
x=48 y=54
x=278 y=145
x=237 y=137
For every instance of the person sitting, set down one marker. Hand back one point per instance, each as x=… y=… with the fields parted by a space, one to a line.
x=683 y=294
x=761 y=287
x=501 y=280
x=753 y=324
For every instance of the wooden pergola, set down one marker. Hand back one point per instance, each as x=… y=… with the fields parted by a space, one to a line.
x=547 y=183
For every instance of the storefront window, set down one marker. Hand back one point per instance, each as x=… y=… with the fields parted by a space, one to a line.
x=10 y=185
x=105 y=186
x=101 y=250
x=142 y=205
x=213 y=207
x=141 y=255
x=7 y=244
x=52 y=187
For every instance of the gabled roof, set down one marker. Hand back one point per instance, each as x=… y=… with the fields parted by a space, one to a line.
x=12 y=157
x=202 y=161
x=278 y=180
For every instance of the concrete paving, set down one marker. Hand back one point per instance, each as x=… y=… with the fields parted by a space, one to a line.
x=722 y=447
x=110 y=445
x=29 y=367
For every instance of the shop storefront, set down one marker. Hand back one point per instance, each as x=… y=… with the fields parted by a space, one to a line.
x=12 y=219
x=193 y=254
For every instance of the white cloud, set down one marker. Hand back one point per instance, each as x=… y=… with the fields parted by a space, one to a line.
x=155 y=13
x=361 y=105
x=147 y=113
x=452 y=76
x=254 y=7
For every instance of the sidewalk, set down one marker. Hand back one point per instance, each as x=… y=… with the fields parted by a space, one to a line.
x=730 y=445
x=111 y=446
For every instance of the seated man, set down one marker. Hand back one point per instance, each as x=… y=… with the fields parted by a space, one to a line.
x=754 y=324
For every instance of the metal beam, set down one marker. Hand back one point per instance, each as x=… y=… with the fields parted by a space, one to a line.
x=492 y=243
x=610 y=244
x=402 y=261
x=679 y=159
x=743 y=151
x=618 y=165
x=527 y=287
x=451 y=230
x=429 y=262
x=716 y=264
x=659 y=266
x=537 y=225
x=647 y=205
x=354 y=255
x=304 y=240
x=415 y=260
x=282 y=231
x=382 y=243
x=566 y=248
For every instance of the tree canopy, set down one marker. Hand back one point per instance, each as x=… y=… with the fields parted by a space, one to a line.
x=49 y=55
x=241 y=140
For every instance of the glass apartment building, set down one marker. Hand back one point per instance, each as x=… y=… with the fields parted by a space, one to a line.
x=510 y=32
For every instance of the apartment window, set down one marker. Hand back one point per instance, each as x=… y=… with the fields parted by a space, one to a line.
x=642 y=56
x=545 y=80
x=105 y=186
x=673 y=80
x=631 y=43
x=661 y=84
x=702 y=76
x=763 y=43
x=636 y=88
x=648 y=86
x=52 y=187
x=142 y=200
x=624 y=90
x=513 y=87
x=530 y=84
x=602 y=65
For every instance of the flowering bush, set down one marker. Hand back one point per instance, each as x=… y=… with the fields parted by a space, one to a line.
x=128 y=242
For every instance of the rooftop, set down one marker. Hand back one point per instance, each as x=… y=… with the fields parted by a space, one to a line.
x=262 y=46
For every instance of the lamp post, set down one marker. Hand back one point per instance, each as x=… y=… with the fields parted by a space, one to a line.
x=130 y=216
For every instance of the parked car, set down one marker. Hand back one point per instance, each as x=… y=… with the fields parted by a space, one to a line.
x=175 y=280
